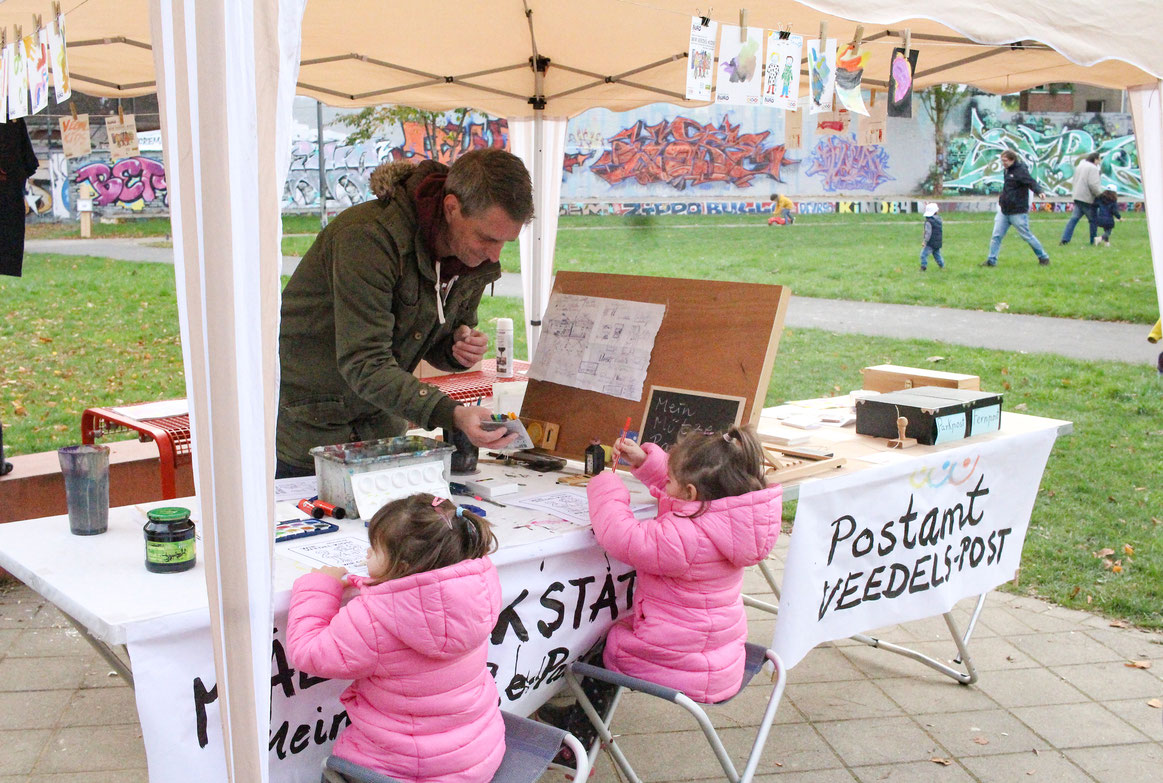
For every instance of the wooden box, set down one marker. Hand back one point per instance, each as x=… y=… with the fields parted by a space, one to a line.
x=935 y=414
x=892 y=377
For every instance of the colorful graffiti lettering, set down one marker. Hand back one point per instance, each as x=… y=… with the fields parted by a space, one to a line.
x=845 y=165
x=1050 y=156
x=684 y=152
x=572 y=160
x=348 y=166
x=133 y=183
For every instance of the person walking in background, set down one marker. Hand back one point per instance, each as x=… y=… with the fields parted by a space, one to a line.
x=1087 y=187
x=781 y=210
x=933 y=237
x=1014 y=208
x=1106 y=212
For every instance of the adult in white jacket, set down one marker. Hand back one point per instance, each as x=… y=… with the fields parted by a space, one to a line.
x=1087 y=187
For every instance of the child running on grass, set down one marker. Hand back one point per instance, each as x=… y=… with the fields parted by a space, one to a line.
x=423 y=706
x=934 y=237
x=1106 y=208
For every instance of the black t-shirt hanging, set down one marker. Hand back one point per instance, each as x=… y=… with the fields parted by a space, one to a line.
x=17 y=164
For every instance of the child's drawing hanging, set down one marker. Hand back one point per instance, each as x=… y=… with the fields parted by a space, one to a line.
x=900 y=83
x=36 y=55
x=781 y=77
x=739 y=80
x=17 y=80
x=822 y=73
x=872 y=127
x=700 y=70
x=62 y=88
x=850 y=62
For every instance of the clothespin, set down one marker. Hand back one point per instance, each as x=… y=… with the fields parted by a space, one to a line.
x=73 y=109
x=908 y=42
x=19 y=33
x=36 y=25
x=742 y=25
x=823 y=35
x=56 y=8
x=120 y=112
x=857 y=39
x=3 y=37
x=705 y=21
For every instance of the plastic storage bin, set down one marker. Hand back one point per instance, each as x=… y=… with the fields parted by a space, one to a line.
x=336 y=465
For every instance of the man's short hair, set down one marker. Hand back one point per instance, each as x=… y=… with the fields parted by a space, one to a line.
x=1009 y=155
x=1093 y=157
x=481 y=179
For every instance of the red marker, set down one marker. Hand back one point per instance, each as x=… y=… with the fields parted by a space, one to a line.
x=330 y=510
x=307 y=507
x=618 y=452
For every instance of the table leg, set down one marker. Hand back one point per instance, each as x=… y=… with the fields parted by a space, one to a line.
x=106 y=652
x=966 y=677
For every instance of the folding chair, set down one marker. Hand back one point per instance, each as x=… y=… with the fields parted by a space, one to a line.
x=529 y=748
x=757 y=656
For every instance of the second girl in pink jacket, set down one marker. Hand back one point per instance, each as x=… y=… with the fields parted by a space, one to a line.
x=423 y=706
x=716 y=516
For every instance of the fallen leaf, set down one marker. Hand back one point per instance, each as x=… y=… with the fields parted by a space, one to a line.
x=1021 y=406
x=1001 y=307
x=935 y=359
x=941 y=761
x=1119 y=624
x=1155 y=703
x=1138 y=664
x=45 y=339
x=1117 y=568
x=1104 y=552
x=18 y=409
x=1128 y=550
x=981 y=740
x=1074 y=592
x=1089 y=598
x=1157 y=520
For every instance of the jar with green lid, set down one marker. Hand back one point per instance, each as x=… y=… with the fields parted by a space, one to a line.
x=169 y=540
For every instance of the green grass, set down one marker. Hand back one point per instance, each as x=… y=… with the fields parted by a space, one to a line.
x=82 y=332
x=133 y=227
x=874 y=258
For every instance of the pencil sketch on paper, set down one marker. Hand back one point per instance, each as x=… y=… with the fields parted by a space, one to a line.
x=599 y=344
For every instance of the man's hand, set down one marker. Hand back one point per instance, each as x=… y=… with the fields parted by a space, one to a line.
x=468 y=420
x=469 y=345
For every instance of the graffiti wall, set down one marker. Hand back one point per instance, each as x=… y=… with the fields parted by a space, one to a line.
x=1050 y=147
x=348 y=166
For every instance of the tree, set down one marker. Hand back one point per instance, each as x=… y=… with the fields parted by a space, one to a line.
x=368 y=122
x=940 y=101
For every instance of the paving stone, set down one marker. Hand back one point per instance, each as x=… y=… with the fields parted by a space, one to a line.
x=86 y=749
x=7 y=637
x=928 y=693
x=824 y=664
x=821 y=701
x=32 y=709
x=40 y=674
x=1129 y=643
x=1078 y=725
x=1127 y=764
x=1042 y=766
x=1141 y=715
x=116 y=776
x=811 y=776
x=989 y=653
x=1000 y=619
x=1028 y=688
x=986 y=733
x=21 y=750
x=101 y=707
x=1043 y=622
x=1113 y=680
x=879 y=741
x=51 y=642
x=913 y=772
x=1063 y=649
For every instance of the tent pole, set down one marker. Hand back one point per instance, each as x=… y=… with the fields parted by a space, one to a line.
x=322 y=164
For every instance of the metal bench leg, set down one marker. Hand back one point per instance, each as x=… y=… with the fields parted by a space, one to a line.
x=968 y=676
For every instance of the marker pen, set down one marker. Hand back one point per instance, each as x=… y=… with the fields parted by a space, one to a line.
x=330 y=510
x=307 y=507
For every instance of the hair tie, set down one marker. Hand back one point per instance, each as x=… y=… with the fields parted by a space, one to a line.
x=460 y=512
x=727 y=436
x=436 y=506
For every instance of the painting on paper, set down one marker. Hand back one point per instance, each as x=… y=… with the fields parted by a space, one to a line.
x=36 y=55
x=781 y=77
x=821 y=74
x=700 y=71
x=122 y=137
x=873 y=127
x=75 y=136
x=17 y=81
x=850 y=62
x=900 y=83
x=740 y=80
x=5 y=66
x=62 y=88
x=793 y=130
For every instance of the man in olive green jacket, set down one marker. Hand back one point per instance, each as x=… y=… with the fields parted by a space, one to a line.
x=387 y=283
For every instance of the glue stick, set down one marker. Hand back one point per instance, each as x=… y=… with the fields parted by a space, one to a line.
x=504 y=347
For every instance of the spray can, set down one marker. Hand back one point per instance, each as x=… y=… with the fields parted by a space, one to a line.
x=504 y=347
x=595 y=458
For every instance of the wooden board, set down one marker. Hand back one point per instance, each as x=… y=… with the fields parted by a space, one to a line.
x=716 y=338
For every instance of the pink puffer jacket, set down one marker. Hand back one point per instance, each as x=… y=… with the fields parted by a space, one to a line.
x=423 y=707
x=688 y=628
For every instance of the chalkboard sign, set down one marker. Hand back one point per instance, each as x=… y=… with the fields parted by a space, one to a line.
x=670 y=410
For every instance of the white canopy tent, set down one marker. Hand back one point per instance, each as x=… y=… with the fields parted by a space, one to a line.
x=226 y=70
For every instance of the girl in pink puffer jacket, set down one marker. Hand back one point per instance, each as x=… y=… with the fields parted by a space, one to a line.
x=716 y=516
x=423 y=706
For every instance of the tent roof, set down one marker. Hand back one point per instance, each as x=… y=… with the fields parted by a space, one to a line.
x=620 y=54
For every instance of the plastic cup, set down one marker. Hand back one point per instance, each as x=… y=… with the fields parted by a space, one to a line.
x=86 y=472
x=464 y=459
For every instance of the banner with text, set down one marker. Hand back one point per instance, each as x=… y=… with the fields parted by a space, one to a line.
x=907 y=541
x=554 y=607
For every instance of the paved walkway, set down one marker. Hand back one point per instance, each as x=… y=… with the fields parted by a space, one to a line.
x=1059 y=697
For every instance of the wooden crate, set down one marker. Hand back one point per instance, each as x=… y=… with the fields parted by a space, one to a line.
x=892 y=377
